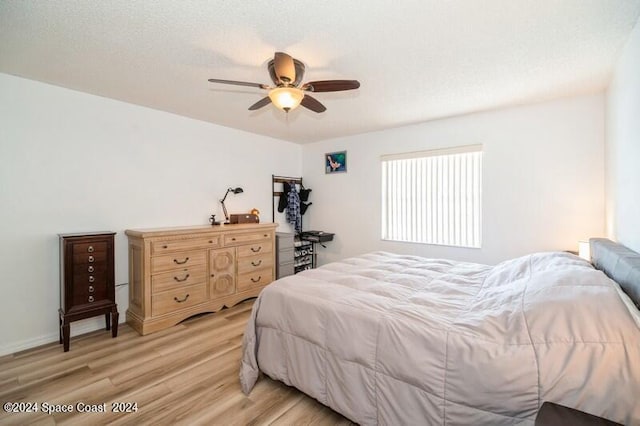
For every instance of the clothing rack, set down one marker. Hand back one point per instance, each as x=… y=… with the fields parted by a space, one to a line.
x=280 y=179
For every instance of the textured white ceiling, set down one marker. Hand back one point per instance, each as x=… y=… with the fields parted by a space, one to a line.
x=416 y=60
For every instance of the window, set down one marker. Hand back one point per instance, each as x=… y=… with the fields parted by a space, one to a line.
x=433 y=197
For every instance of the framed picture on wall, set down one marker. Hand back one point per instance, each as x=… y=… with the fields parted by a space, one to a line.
x=335 y=162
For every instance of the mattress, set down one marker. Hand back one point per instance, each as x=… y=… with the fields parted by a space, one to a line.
x=394 y=339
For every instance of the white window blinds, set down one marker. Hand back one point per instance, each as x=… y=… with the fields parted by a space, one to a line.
x=433 y=197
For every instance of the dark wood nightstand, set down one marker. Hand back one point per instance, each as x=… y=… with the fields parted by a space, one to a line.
x=87 y=282
x=551 y=414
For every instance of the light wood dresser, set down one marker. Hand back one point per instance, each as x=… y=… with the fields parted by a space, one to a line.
x=175 y=273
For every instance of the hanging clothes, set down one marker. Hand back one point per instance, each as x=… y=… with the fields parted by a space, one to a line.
x=293 y=208
x=304 y=193
x=284 y=197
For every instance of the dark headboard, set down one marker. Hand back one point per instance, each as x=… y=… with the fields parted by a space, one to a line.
x=619 y=263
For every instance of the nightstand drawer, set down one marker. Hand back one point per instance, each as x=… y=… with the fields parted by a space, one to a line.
x=179 y=260
x=174 y=300
x=253 y=263
x=253 y=279
x=169 y=246
x=178 y=278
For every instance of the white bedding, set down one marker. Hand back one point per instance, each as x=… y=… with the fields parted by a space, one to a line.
x=392 y=339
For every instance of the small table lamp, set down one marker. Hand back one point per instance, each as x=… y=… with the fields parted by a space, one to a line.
x=237 y=190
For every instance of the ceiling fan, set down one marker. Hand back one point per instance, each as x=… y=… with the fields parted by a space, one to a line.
x=287 y=93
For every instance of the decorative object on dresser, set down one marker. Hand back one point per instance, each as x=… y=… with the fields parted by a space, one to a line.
x=175 y=273
x=237 y=190
x=87 y=281
x=244 y=218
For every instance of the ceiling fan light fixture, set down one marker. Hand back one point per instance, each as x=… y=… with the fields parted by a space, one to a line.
x=286 y=98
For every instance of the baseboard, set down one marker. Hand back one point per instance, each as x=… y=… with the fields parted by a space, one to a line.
x=77 y=328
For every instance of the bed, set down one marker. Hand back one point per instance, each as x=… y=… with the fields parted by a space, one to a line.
x=395 y=339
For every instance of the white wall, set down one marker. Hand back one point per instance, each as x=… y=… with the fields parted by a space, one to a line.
x=623 y=146
x=73 y=162
x=543 y=180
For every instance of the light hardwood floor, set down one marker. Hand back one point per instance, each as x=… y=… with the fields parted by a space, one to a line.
x=187 y=374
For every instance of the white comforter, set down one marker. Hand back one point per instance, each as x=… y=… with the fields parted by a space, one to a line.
x=391 y=339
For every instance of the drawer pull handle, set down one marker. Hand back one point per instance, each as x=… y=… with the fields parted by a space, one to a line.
x=186 y=277
x=90 y=249
x=257 y=264
x=210 y=241
x=91 y=299
x=233 y=239
x=255 y=250
x=91 y=259
x=91 y=278
x=90 y=268
x=181 y=300
x=91 y=289
x=181 y=263
x=265 y=235
x=255 y=281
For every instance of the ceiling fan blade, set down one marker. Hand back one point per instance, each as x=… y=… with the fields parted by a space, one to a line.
x=239 y=83
x=284 y=67
x=262 y=102
x=312 y=104
x=331 y=85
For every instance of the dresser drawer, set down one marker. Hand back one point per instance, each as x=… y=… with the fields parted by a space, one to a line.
x=96 y=277
x=177 y=278
x=159 y=247
x=87 y=294
x=253 y=263
x=255 y=249
x=91 y=247
x=284 y=257
x=284 y=270
x=95 y=267
x=258 y=278
x=284 y=240
x=90 y=258
x=177 y=299
x=177 y=261
x=248 y=238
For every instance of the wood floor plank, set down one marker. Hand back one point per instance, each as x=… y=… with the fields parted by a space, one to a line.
x=187 y=374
